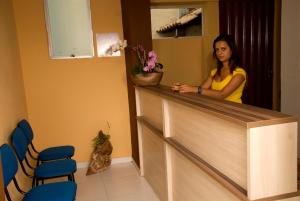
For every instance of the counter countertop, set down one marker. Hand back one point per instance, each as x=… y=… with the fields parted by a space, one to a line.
x=246 y=115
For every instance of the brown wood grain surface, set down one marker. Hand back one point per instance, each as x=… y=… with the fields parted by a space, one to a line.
x=134 y=14
x=210 y=170
x=246 y=115
x=251 y=23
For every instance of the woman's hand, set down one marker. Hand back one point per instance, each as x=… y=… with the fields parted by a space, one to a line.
x=185 y=88
x=175 y=86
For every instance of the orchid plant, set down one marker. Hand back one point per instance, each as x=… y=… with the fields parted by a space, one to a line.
x=147 y=62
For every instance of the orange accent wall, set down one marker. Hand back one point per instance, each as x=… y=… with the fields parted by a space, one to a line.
x=69 y=101
x=12 y=96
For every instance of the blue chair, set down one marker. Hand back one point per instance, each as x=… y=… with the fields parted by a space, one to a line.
x=59 y=191
x=52 y=153
x=51 y=169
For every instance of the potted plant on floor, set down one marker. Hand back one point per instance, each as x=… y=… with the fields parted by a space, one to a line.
x=101 y=156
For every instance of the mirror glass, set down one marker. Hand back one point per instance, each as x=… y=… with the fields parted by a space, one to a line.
x=177 y=33
x=176 y=22
x=69 y=28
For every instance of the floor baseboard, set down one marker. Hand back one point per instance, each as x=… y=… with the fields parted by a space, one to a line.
x=113 y=162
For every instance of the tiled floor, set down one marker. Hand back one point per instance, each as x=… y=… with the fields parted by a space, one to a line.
x=121 y=182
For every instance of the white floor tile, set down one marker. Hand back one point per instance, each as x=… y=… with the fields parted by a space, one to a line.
x=81 y=177
x=91 y=192
x=118 y=171
x=120 y=182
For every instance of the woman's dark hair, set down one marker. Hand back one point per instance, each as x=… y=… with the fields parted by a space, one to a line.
x=234 y=60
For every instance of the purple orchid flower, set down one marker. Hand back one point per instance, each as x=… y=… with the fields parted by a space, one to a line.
x=149 y=67
x=152 y=59
x=152 y=56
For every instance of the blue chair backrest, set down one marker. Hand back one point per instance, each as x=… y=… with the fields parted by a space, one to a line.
x=19 y=142
x=9 y=164
x=27 y=130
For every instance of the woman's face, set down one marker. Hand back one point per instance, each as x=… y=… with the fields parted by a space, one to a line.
x=223 y=51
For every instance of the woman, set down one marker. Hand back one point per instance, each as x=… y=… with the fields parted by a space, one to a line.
x=227 y=81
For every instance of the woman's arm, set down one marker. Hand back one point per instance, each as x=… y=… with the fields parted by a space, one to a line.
x=235 y=82
x=207 y=83
x=189 y=88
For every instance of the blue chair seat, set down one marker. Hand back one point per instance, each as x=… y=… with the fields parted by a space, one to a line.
x=55 y=168
x=59 y=191
x=54 y=153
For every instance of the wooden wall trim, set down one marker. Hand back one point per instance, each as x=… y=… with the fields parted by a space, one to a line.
x=134 y=14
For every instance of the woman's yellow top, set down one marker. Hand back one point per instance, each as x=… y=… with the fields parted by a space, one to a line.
x=236 y=95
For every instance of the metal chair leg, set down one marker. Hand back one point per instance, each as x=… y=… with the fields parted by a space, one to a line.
x=33 y=182
x=73 y=177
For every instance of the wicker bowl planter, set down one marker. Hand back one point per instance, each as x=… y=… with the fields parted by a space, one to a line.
x=149 y=79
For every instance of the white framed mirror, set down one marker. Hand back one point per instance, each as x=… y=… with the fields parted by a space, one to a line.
x=176 y=21
x=69 y=29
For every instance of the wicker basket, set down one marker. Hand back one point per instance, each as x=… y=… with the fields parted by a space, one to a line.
x=149 y=79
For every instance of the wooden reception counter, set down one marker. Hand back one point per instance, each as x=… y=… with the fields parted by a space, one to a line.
x=195 y=148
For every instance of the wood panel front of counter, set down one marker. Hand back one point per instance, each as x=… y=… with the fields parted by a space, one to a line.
x=213 y=149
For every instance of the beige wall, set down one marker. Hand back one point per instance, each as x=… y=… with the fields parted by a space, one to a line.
x=290 y=59
x=189 y=60
x=12 y=96
x=69 y=101
x=182 y=59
